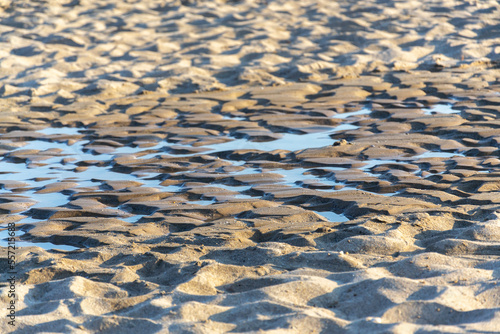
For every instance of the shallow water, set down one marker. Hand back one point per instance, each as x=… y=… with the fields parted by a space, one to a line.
x=62 y=131
x=20 y=243
x=363 y=111
x=295 y=176
x=288 y=142
x=439 y=155
x=39 y=173
x=441 y=109
x=332 y=216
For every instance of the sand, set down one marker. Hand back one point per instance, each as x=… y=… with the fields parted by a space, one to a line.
x=250 y=166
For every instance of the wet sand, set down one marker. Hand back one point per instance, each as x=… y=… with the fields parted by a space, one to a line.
x=241 y=166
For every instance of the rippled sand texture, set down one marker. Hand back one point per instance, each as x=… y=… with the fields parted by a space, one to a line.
x=284 y=166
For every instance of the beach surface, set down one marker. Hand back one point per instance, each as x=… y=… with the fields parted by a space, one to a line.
x=250 y=166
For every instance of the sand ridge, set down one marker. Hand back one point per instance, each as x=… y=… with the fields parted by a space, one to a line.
x=241 y=166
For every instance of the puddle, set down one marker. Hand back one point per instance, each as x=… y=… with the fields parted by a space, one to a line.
x=132 y=219
x=294 y=177
x=332 y=216
x=438 y=155
x=203 y=201
x=288 y=141
x=36 y=175
x=234 y=118
x=61 y=131
x=232 y=188
x=411 y=160
x=78 y=149
x=44 y=245
x=440 y=109
x=346 y=127
x=238 y=189
x=363 y=111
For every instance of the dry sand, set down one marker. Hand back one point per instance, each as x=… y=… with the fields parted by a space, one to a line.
x=184 y=148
